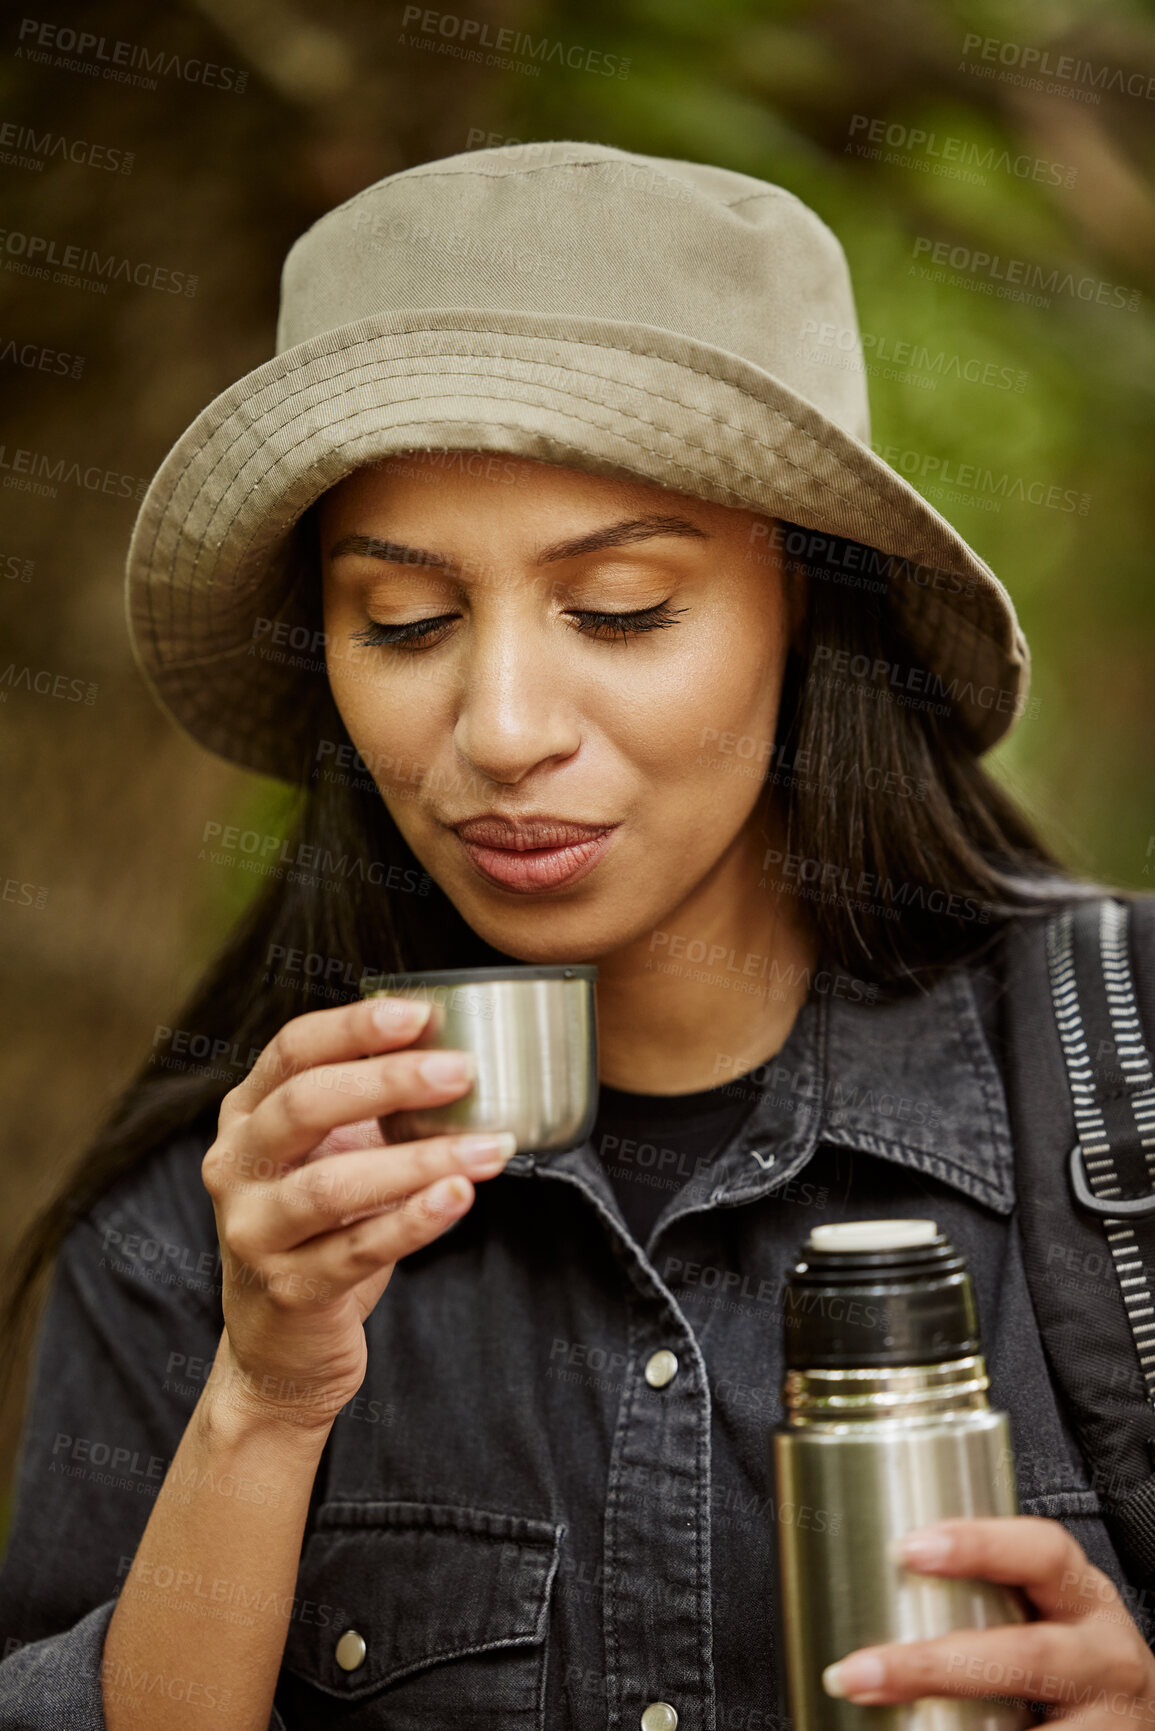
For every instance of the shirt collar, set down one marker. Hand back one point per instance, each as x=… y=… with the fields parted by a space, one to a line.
x=911 y=1079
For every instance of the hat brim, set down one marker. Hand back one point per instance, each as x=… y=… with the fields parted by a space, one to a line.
x=212 y=561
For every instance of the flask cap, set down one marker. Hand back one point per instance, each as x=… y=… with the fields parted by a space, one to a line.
x=867 y=1294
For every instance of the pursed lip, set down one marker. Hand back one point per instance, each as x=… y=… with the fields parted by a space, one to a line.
x=521 y=835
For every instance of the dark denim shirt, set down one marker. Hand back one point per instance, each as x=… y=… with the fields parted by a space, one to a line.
x=524 y=1530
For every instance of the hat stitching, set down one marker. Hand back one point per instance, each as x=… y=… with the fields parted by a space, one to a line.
x=974 y=631
x=646 y=391
x=421 y=172
x=437 y=171
x=570 y=395
x=607 y=347
x=960 y=622
x=779 y=193
x=686 y=444
x=441 y=355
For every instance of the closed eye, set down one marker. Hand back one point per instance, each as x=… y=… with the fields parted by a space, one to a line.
x=422 y=633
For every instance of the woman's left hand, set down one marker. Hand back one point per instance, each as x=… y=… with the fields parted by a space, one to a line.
x=1084 y=1657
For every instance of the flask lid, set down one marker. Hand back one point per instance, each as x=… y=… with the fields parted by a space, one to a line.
x=872 y=1235
x=868 y=1294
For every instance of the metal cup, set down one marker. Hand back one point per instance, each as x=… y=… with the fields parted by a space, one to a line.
x=533 y=1033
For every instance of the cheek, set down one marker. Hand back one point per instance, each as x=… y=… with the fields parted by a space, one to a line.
x=382 y=704
x=726 y=686
x=377 y=708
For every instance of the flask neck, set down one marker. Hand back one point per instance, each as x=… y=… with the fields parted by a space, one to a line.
x=912 y=1392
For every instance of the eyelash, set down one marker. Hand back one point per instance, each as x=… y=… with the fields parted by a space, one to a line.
x=410 y=635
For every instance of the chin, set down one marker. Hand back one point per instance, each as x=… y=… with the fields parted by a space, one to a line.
x=550 y=936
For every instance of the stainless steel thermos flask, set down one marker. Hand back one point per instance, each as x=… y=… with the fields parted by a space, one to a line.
x=887 y=1428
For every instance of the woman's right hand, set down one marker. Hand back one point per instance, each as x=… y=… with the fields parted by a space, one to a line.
x=314 y=1208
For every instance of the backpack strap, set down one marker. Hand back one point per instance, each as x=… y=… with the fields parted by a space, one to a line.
x=1079 y=992
x=1112 y=1164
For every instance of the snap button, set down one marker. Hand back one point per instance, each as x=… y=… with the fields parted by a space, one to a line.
x=659 y=1716
x=661 y=1368
x=351 y=1650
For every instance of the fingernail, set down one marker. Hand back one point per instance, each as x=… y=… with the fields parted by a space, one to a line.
x=393 y=1013
x=859 y=1675
x=447 y=1066
x=479 y=1153
x=926 y=1549
x=447 y=1196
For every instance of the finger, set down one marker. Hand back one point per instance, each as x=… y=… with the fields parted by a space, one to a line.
x=323 y=1195
x=222 y=1172
x=1044 y=1661
x=328 y=1037
x=365 y=1133
x=1026 y=1551
x=325 y=1268
x=289 y=1122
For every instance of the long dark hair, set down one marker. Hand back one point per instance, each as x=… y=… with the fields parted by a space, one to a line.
x=908 y=851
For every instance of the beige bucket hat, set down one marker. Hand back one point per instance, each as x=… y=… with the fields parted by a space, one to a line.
x=567 y=302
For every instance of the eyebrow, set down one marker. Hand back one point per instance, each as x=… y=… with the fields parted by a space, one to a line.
x=622 y=534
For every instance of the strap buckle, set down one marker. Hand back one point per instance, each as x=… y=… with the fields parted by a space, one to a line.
x=1118 y=1208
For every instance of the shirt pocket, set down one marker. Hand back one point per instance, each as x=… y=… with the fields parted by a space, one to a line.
x=450 y=1604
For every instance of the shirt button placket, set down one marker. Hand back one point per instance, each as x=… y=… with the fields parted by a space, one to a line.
x=657 y=1586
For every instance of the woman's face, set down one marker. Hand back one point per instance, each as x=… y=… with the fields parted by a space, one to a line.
x=516 y=702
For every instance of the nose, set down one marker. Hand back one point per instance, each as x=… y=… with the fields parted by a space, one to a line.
x=516 y=706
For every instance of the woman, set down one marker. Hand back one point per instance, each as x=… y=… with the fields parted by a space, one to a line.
x=544 y=558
